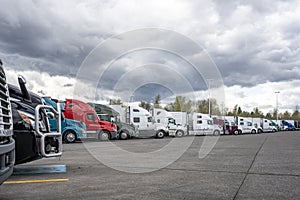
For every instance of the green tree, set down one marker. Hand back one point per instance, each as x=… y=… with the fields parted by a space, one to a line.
x=145 y=105
x=115 y=102
x=286 y=115
x=157 y=101
x=180 y=104
x=296 y=114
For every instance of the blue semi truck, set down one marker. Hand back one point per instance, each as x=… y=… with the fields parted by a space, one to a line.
x=71 y=130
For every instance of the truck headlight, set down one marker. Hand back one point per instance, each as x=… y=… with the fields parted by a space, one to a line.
x=29 y=119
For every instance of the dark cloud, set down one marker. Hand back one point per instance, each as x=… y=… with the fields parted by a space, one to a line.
x=250 y=41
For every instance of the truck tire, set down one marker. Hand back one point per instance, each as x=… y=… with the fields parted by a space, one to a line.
x=216 y=132
x=235 y=132
x=104 y=136
x=160 y=134
x=253 y=131
x=123 y=135
x=69 y=136
x=179 y=133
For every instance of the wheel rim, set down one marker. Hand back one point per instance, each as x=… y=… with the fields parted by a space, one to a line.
x=104 y=136
x=179 y=134
x=70 y=137
x=160 y=134
x=123 y=135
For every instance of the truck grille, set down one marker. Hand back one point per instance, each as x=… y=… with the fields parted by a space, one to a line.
x=5 y=109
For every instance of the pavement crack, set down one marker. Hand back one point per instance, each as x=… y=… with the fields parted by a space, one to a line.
x=248 y=171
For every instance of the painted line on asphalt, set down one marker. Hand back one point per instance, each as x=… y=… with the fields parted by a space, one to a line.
x=36 y=181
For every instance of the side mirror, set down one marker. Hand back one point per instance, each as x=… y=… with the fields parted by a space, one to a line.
x=25 y=93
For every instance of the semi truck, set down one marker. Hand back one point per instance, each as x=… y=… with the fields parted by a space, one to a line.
x=146 y=124
x=71 y=130
x=106 y=113
x=31 y=129
x=263 y=125
x=287 y=126
x=7 y=142
x=245 y=125
x=167 y=119
x=230 y=125
x=202 y=124
x=95 y=128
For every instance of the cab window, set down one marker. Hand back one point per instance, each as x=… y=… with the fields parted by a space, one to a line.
x=90 y=116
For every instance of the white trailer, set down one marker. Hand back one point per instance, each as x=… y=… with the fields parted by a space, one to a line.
x=202 y=124
x=245 y=125
x=167 y=119
x=142 y=119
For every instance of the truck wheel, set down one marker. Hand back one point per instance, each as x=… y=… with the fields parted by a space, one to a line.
x=123 y=135
x=160 y=134
x=216 y=132
x=179 y=133
x=69 y=137
x=104 y=136
x=253 y=131
x=235 y=132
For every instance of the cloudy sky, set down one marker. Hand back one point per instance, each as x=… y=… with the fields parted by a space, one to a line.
x=244 y=50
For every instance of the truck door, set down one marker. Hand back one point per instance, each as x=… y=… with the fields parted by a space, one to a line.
x=91 y=121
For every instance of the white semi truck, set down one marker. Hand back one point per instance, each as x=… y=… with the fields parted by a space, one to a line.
x=202 y=124
x=245 y=125
x=145 y=123
x=263 y=125
x=167 y=119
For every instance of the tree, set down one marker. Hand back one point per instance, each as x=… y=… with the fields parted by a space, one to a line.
x=239 y=111
x=157 y=101
x=257 y=113
x=269 y=115
x=286 y=115
x=145 y=105
x=181 y=104
x=296 y=114
x=115 y=102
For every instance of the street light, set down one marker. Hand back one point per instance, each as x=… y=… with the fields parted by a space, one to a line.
x=277 y=106
x=209 y=80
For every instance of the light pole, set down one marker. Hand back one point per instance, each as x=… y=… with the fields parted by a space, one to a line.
x=277 y=106
x=209 y=80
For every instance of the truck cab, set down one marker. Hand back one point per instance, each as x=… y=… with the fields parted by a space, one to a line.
x=245 y=125
x=147 y=126
x=202 y=124
x=108 y=114
x=166 y=118
x=230 y=127
x=81 y=111
x=288 y=126
x=34 y=139
x=72 y=130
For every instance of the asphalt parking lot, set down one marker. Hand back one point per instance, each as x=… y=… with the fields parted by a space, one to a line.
x=261 y=166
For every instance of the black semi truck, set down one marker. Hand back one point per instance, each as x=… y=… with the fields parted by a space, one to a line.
x=25 y=130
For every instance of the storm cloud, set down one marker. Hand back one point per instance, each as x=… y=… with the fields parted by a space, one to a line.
x=252 y=43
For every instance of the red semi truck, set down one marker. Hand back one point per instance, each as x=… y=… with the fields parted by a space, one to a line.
x=81 y=111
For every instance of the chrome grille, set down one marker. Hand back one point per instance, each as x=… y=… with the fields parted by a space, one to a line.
x=5 y=109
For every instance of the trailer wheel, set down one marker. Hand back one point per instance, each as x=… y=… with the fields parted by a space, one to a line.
x=104 y=136
x=69 y=137
x=179 y=133
x=123 y=135
x=160 y=134
x=216 y=132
